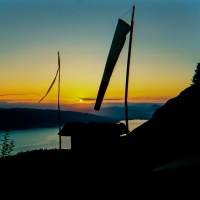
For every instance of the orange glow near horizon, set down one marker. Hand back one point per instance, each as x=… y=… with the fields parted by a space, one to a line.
x=85 y=92
x=12 y=98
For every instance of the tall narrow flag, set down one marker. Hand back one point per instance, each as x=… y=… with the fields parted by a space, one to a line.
x=117 y=44
x=58 y=72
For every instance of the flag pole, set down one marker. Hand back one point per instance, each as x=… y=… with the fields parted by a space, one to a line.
x=57 y=73
x=59 y=123
x=128 y=66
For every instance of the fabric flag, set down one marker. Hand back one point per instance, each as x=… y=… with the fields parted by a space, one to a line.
x=118 y=41
x=58 y=71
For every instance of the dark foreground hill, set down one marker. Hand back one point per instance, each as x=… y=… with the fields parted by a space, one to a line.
x=160 y=159
x=54 y=173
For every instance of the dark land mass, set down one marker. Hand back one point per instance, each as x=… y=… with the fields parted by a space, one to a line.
x=159 y=159
x=27 y=118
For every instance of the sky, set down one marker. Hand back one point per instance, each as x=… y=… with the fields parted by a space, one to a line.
x=165 y=50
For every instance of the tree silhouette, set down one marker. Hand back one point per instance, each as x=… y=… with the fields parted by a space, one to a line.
x=7 y=146
x=196 y=77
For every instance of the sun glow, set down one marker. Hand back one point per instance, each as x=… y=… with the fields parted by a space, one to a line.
x=80 y=100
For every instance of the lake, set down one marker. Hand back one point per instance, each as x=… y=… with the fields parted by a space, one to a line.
x=46 y=138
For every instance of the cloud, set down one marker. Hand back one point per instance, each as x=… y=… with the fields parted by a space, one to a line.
x=149 y=99
x=131 y=100
x=17 y=94
x=106 y=99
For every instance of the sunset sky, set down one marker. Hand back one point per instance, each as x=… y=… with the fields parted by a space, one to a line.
x=165 y=49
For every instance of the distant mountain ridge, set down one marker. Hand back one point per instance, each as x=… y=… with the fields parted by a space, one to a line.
x=135 y=111
x=27 y=118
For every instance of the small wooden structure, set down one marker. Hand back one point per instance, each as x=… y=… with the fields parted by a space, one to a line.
x=93 y=135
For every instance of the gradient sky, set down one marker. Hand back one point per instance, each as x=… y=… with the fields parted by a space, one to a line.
x=165 y=49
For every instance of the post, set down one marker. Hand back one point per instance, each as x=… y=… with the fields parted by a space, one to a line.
x=59 y=123
x=127 y=71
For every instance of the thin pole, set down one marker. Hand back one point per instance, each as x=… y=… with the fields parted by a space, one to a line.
x=59 y=123
x=127 y=71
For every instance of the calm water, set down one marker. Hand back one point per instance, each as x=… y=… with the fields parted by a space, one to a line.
x=42 y=138
x=134 y=123
x=46 y=138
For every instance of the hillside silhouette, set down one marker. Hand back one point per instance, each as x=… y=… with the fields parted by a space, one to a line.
x=167 y=148
x=172 y=131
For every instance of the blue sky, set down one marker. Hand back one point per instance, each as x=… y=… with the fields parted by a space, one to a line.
x=165 y=50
